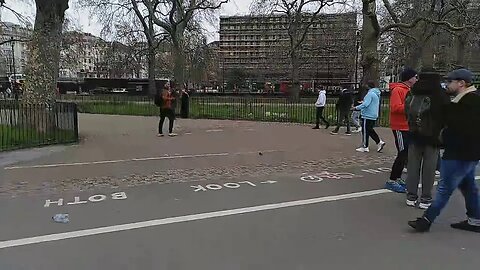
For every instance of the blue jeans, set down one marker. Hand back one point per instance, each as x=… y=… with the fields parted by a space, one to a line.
x=456 y=174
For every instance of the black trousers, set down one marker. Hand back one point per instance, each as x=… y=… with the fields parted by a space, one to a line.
x=402 y=139
x=166 y=113
x=343 y=116
x=368 y=132
x=320 y=116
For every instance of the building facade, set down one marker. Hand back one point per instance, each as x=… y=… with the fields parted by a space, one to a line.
x=13 y=54
x=259 y=46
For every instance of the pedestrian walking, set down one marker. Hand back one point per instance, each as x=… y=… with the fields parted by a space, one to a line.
x=356 y=118
x=343 y=108
x=399 y=126
x=425 y=109
x=369 y=114
x=165 y=100
x=320 y=106
x=461 y=155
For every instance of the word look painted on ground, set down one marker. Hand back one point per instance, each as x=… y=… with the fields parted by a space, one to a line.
x=91 y=199
x=233 y=185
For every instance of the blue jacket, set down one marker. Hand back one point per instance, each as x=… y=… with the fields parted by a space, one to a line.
x=371 y=105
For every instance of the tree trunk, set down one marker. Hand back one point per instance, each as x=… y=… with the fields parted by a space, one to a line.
x=152 y=89
x=295 y=72
x=44 y=48
x=461 y=43
x=370 y=37
x=179 y=66
x=428 y=54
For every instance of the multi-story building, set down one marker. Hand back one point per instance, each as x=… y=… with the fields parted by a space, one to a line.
x=13 y=61
x=84 y=55
x=259 y=45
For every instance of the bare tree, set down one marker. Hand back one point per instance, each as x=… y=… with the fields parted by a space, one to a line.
x=176 y=17
x=299 y=16
x=427 y=16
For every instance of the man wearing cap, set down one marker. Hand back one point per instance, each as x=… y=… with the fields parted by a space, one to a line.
x=461 y=156
x=399 y=126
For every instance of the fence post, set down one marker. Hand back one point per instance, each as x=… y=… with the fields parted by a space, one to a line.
x=75 y=120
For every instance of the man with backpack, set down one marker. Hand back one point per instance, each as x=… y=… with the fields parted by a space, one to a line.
x=166 y=101
x=425 y=107
x=399 y=126
x=461 y=156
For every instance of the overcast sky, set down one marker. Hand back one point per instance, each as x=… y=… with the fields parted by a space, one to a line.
x=88 y=24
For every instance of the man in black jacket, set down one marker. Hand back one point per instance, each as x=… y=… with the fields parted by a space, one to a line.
x=461 y=156
x=344 y=105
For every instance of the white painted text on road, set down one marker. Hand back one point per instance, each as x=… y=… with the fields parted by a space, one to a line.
x=92 y=199
x=232 y=185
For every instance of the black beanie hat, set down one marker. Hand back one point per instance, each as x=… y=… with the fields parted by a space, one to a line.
x=407 y=74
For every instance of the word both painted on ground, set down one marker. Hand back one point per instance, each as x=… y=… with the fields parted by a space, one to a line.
x=232 y=185
x=92 y=199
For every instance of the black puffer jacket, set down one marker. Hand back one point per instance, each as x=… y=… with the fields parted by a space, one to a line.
x=429 y=84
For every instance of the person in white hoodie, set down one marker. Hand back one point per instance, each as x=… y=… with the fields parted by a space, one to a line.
x=320 y=105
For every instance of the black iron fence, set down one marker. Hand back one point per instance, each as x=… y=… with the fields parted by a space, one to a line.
x=271 y=109
x=32 y=125
x=235 y=107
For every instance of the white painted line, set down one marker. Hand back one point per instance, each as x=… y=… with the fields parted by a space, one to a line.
x=115 y=161
x=166 y=157
x=188 y=218
x=214 y=130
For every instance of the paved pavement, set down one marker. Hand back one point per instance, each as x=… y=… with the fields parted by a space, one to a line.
x=208 y=200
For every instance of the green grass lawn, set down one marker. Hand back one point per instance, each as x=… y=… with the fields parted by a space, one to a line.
x=22 y=137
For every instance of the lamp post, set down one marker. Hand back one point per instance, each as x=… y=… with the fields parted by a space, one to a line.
x=14 y=84
x=357 y=48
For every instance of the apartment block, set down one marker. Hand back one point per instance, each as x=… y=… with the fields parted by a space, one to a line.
x=260 y=45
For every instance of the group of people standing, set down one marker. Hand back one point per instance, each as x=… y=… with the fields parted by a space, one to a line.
x=424 y=119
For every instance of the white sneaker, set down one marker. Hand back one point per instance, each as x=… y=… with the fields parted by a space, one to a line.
x=380 y=147
x=362 y=150
x=358 y=130
x=424 y=206
x=411 y=203
x=405 y=170
x=172 y=134
x=437 y=174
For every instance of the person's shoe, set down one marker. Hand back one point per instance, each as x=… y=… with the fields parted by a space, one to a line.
x=160 y=135
x=381 y=145
x=395 y=187
x=334 y=132
x=437 y=174
x=362 y=150
x=172 y=134
x=358 y=130
x=402 y=183
x=465 y=226
x=411 y=203
x=420 y=225
x=424 y=205
x=405 y=170
x=348 y=134
x=316 y=127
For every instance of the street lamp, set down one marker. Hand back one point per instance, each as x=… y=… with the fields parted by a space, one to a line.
x=357 y=47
